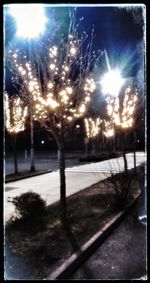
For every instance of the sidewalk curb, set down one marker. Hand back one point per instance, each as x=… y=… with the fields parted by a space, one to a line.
x=28 y=176
x=65 y=270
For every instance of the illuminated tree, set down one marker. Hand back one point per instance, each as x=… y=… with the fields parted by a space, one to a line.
x=15 y=118
x=98 y=128
x=122 y=115
x=121 y=111
x=92 y=128
x=60 y=82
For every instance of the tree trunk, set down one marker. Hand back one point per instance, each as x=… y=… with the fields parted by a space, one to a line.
x=114 y=147
x=94 y=147
x=15 y=155
x=32 y=168
x=134 y=150
x=86 y=148
x=124 y=155
x=62 y=177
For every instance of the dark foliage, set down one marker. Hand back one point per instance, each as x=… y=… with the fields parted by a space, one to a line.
x=29 y=205
x=123 y=184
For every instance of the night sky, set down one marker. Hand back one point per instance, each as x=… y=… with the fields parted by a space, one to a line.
x=118 y=30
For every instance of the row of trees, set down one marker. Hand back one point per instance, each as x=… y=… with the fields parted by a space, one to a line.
x=55 y=87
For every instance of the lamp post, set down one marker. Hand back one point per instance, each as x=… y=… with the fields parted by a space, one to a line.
x=30 y=21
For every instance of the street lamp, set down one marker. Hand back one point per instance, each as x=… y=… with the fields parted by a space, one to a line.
x=30 y=21
x=111 y=84
x=112 y=81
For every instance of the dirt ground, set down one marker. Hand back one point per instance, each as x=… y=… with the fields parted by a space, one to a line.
x=45 y=246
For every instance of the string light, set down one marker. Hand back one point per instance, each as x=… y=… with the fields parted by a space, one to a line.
x=72 y=50
x=16 y=114
x=108 y=131
x=123 y=117
x=92 y=127
x=59 y=96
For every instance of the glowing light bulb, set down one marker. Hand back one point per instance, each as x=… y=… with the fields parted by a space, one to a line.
x=112 y=82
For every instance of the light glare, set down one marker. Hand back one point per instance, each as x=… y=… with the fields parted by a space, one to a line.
x=112 y=82
x=30 y=20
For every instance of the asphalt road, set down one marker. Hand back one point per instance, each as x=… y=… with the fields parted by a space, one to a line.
x=15 y=266
x=77 y=178
x=43 y=161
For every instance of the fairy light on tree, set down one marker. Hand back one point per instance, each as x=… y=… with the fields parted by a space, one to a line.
x=92 y=127
x=108 y=131
x=123 y=115
x=15 y=119
x=16 y=114
x=62 y=90
x=30 y=20
x=94 y=131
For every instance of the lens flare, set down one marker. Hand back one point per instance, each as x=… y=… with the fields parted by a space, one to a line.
x=30 y=19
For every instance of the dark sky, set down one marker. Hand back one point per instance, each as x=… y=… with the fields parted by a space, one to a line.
x=116 y=30
x=119 y=31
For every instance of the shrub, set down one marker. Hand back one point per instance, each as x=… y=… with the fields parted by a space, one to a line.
x=123 y=185
x=29 y=205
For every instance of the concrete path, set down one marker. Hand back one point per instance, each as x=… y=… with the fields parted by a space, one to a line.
x=115 y=164
x=77 y=178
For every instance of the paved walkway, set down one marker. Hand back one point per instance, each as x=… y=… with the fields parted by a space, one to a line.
x=77 y=178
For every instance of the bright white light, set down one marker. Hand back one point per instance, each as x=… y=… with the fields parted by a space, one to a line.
x=42 y=142
x=112 y=82
x=77 y=126
x=30 y=19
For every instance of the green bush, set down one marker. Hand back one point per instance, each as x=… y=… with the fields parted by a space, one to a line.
x=29 y=205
